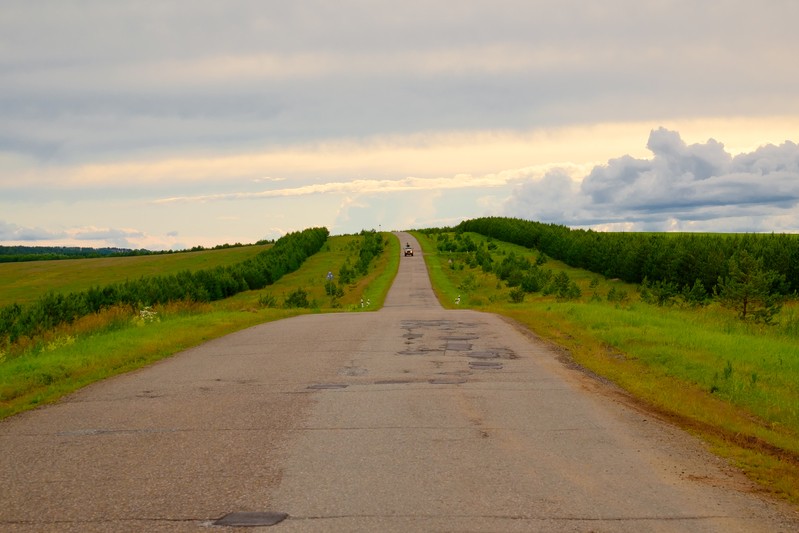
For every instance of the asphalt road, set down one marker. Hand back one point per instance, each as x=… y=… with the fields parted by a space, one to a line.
x=412 y=418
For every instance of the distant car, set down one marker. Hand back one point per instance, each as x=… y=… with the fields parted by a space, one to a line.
x=408 y=250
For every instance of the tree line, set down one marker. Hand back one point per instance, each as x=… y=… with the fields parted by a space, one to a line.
x=53 y=309
x=370 y=247
x=751 y=273
x=22 y=254
x=679 y=258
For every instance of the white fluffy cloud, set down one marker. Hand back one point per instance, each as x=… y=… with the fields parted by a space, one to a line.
x=680 y=187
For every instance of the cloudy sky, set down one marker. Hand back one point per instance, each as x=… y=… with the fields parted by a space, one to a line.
x=172 y=124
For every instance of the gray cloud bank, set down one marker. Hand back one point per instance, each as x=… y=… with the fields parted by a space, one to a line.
x=14 y=232
x=10 y=232
x=95 y=79
x=698 y=187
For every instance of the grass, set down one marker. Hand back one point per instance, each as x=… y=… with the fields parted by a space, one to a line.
x=113 y=342
x=27 y=281
x=730 y=382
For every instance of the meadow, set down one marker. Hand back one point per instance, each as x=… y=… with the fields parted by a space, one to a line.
x=731 y=382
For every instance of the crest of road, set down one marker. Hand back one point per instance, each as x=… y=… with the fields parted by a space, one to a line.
x=410 y=418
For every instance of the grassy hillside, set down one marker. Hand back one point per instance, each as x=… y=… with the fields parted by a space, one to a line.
x=25 y=282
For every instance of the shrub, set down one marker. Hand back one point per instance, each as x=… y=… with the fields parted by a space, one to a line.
x=267 y=300
x=517 y=295
x=617 y=295
x=563 y=287
x=297 y=298
x=750 y=289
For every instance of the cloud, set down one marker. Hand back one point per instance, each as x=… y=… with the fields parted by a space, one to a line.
x=680 y=187
x=115 y=80
x=14 y=232
x=362 y=186
x=122 y=238
x=554 y=197
x=85 y=236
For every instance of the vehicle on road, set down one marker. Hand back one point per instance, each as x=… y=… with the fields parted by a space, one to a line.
x=408 y=249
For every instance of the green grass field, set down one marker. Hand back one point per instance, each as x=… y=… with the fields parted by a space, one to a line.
x=25 y=282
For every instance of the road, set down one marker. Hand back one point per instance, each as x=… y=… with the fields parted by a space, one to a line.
x=412 y=418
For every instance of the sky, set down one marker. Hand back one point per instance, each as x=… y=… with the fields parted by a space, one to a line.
x=174 y=124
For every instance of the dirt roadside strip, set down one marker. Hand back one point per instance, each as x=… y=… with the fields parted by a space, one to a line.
x=412 y=418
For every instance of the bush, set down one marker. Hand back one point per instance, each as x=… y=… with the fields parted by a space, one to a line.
x=750 y=289
x=267 y=300
x=517 y=295
x=659 y=292
x=297 y=298
x=563 y=287
x=535 y=279
x=617 y=295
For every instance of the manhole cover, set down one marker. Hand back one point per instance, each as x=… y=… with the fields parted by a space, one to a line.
x=251 y=519
x=321 y=386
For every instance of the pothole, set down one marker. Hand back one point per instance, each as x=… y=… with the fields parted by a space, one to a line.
x=447 y=381
x=251 y=519
x=484 y=355
x=460 y=337
x=324 y=386
x=485 y=365
x=420 y=351
x=459 y=346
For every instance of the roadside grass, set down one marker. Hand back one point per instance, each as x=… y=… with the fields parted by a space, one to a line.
x=26 y=281
x=116 y=341
x=734 y=384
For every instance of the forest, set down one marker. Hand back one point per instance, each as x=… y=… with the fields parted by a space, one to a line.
x=679 y=258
